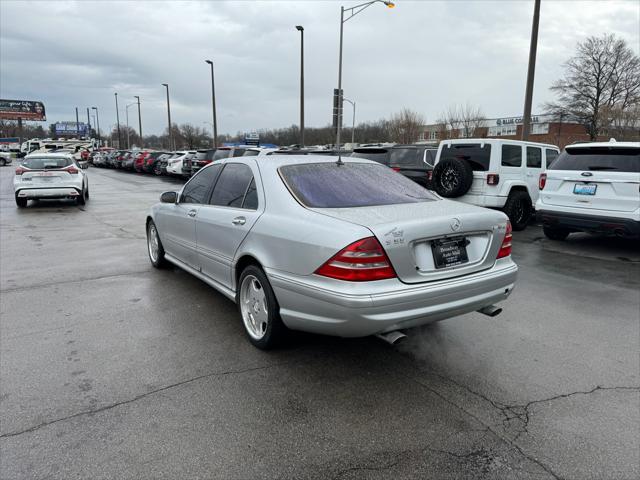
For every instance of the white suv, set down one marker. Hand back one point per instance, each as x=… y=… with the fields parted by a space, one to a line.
x=592 y=187
x=493 y=173
x=50 y=175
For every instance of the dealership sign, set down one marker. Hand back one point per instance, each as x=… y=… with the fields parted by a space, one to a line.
x=515 y=120
x=21 y=109
x=71 y=129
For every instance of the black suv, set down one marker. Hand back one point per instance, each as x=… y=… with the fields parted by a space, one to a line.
x=412 y=161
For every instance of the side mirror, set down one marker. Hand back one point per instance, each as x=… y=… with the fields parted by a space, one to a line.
x=169 y=197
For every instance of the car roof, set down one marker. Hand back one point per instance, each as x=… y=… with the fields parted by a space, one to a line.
x=276 y=161
x=50 y=155
x=496 y=141
x=609 y=144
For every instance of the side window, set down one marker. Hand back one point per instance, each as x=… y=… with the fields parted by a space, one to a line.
x=232 y=185
x=197 y=189
x=551 y=156
x=534 y=157
x=511 y=156
x=251 y=197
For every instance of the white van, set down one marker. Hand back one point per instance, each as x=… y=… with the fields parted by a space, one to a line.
x=493 y=173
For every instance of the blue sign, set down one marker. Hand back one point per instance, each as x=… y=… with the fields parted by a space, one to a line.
x=70 y=129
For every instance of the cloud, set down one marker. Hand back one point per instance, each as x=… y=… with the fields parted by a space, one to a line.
x=421 y=55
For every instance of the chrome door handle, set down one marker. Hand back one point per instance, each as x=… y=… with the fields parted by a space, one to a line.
x=192 y=213
x=239 y=221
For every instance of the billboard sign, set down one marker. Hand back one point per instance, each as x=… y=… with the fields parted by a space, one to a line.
x=70 y=129
x=22 y=109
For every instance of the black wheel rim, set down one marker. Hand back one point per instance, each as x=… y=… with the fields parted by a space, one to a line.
x=519 y=212
x=449 y=180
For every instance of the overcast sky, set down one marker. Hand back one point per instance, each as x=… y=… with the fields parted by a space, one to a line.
x=424 y=55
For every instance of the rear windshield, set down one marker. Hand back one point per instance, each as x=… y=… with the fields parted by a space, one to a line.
x=328 y=185
x=599 y=158
x=478 y=156
x=380 y=155
x=44 y=163
x=250 y=153
x=404 y=156
x=220 y=154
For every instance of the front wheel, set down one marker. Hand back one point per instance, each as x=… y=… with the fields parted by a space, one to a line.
x=518 y=209
x=157 y=170
x=555 y=233
x=259 y=309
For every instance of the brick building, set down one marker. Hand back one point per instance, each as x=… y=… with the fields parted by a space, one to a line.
x=545 y=128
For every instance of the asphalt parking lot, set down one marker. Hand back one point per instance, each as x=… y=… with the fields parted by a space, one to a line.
x=112 y=369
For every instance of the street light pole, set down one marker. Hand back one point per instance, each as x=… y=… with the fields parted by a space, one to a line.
x=118 y=122
x=171 y=145
x=77 y=123
x=300 y=28
x=213 y=106
x=352 y=12
x=533 y=48
x=126 y=109
x=139 y=121
x=353 y=125
x=97 y=122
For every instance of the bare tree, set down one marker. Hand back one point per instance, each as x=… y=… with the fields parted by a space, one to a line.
x=405 y=126
x=603 y=77
x=460 y=121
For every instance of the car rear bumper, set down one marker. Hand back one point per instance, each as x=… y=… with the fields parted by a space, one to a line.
x=56 y=192
x=391 y=305
x=624 y=227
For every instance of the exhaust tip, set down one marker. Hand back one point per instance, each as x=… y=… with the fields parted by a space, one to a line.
x=391 y=337
x=491 y=311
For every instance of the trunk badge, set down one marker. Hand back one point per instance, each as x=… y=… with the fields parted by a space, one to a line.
x=587 y=174
x=455 y=224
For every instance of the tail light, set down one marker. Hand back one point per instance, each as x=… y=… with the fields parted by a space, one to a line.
x=72 y=170
x=149 y=161
x=542 y=181
x=362 y=261
x=493 y=179
x=395 y=169
x=20 y=170
x=505 y=248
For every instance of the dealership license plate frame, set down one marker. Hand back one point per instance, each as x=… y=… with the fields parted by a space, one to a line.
x=449 y=252
x=585 y=189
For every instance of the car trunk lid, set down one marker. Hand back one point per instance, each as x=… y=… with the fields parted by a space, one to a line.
x=427 y=241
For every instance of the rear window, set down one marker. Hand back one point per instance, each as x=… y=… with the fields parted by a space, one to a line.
x=44 y=163
x=478 y=156
x=380 y=155
x=250 y=153
x=551 y=156
x=404 y=156
x=599 y=158
x=328 y=185
x=221 y=154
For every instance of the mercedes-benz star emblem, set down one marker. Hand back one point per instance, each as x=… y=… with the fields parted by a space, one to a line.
x=455 y=224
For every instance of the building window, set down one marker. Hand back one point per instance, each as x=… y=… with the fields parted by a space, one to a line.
x=539 y=128
x=503 y=130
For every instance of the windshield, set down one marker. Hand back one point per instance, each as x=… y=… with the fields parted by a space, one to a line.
x=599 y=158
x=328 y=185
x=45 y=163
x=380 y=155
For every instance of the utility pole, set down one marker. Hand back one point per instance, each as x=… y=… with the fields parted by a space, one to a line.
x=533 y=48
x=88 y=124
x=172 y=147
x=118 y=123
x=213 y=106
x=77 y=124
x=301 y=30
x=97 y=123
x=139 y=121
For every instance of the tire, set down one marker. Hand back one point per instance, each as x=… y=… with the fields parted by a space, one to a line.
x=87 y=192
x=82 y=198
x=555 y=233
x=21 y=202
x=259 y=309
x=157 y=169
x=3 y=162
x=155 y=249
x=518 y=209
x=452 y=177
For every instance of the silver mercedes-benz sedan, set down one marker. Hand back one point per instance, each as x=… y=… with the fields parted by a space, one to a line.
x=340 y=247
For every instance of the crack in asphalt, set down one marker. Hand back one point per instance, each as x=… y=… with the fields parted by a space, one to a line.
x=66 y=282
x=138 y=397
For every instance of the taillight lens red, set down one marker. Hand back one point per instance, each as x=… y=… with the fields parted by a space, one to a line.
x=493 y=179
x=362 y=261
x=395 y=169
x=505 y=248
x=542 y=181
x=20 y=171
x=71 y=170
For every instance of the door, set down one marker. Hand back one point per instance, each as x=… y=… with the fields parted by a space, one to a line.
x=533 y=168
x=224 y=223
x=179 y=225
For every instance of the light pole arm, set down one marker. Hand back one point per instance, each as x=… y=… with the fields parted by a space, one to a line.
x=353 y=11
